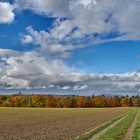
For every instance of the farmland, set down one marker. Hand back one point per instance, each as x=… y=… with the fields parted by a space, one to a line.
x=125 y=127
x=53 y=124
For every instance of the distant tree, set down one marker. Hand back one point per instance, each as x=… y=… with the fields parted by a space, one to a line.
x=100 y=101
x=2 y=99
x=81 y=101
x=112 y=102
x=18 y=101
x=50 y=101
x=38 y=101
x=73 y=101
x=6 y=103
x=135 y=102
x=67 y=102
x=63 y=102
x=92 y=101
x=125 y=102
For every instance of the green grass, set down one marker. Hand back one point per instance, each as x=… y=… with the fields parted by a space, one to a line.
x=98 y=129
x=136 y=132
x=119 y=130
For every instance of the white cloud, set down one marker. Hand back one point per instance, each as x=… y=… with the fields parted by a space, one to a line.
x=78 y=87
x=33 y=63
x=59 y=8
x=66 y=87
x=8 y=52
x=51 y=86
x=6 y=12
x=49 y=42
x=31 y=70
x=83 y=18
x=87 y=3
x=26 y=39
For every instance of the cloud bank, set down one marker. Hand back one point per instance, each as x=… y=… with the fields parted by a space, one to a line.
x=89 y=17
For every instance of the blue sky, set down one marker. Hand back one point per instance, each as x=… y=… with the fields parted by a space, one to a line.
x=113 y=57
x=74 y=42
x=10 y=32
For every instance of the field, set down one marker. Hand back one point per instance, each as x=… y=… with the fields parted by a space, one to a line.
x=53 y=124
x=69 y=124
x=125 y=127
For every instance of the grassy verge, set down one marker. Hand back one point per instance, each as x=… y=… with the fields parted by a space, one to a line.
x=136 y=132
x=119 y=130
x=98 y=129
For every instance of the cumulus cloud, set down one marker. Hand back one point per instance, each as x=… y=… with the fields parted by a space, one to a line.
x=66 y=87
x=86 y=22
x=26 y=39
x=28 y=69
x=59 y=8
x=87 y=3
x=31 y=70
x=6 y=12
x=8 y=53
x=49 y=42
x=33 y=63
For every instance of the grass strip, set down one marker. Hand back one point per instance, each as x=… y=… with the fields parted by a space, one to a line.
x=118 y=131
x=89 y=134
x=136 y=132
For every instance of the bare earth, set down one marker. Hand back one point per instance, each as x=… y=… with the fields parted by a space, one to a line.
x=51 y=124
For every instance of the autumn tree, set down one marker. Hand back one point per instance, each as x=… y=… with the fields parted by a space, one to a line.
x=100 y=101
x=68 y=101
x=50 y=101
x=125 y=101
x=63 y=102
x=135 y=102
x=112 y=102
x=81 y=101
x=18 y=101
x=2 y=99
x=38 y=101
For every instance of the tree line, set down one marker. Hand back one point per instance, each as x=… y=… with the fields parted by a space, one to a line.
x=50 y=101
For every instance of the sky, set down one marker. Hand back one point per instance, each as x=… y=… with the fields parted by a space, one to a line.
x=68 y=45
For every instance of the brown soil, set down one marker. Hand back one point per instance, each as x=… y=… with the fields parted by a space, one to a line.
x=51 y=124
